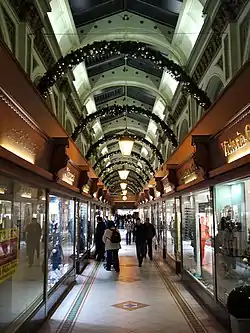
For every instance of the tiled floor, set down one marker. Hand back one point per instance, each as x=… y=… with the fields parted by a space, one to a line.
x=138 y=300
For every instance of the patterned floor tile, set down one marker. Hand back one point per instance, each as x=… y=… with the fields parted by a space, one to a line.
x=130 y=305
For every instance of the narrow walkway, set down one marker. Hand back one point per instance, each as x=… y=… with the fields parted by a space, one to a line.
x=138 y=300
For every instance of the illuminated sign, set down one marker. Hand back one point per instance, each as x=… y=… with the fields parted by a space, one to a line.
x=238 y=146
x=189 y=174
x=86 y=189
x=68 y=177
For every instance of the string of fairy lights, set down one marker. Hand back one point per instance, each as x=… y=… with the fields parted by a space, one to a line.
x=128 y=48
x=116 y=110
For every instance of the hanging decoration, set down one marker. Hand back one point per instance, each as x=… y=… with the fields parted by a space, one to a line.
x=132 y=182
x=116 y=187
x=123 y=186
x=134 y=155
x=126 y=143
x=138 y=176
x=123 y=163
x=123 y=174
x=117 y=137
x=128 y=48
x=117 y=110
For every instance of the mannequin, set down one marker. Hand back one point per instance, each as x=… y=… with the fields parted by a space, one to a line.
x=204 y=236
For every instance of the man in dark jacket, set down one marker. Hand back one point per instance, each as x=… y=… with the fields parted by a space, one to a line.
x=140 y=239
x=150 y=234
x=99 y=245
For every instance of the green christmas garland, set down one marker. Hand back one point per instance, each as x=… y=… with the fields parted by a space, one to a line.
x=117 y=137
x=133 y=49
x=117 y=110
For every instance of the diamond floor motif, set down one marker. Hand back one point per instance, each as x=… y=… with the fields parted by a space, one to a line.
x=130 y=305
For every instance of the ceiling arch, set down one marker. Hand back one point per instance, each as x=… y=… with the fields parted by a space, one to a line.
x=131 y=179
x=109 y=137
x=123 y=164
x=131 y=187
x=138 y=83
x=118 y=152
x=132 y=174
x=124 y=110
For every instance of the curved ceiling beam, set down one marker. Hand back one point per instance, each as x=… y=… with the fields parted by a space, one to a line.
x=142 y=180
x=128 y=83
x=122 y=163
x=133 y=189
x=116 y=152
x=143 y=35
x=116 y=110
x=108 y=137
x=133 y=181
x=133 y=49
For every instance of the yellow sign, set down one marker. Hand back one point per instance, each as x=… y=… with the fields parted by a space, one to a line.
x=237 y=147
x=7 y=270
x=8 y=234
x=8 y=253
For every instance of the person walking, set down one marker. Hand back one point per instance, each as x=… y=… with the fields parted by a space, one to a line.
x=150 y=234
x=34 y=233
x=99 y=245
x=129 y=227
x=112 y=241
x=140 y=239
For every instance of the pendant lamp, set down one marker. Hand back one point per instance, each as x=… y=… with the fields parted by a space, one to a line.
x=126 y=144
x=123 y=174
x=123 y=186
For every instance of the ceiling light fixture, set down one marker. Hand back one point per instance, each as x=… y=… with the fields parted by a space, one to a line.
x=126 y=144
x=123 y=186
x=124 y=192
x=124 y=198
x=123 y=174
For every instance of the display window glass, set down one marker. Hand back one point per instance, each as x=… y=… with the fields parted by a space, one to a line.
x=61 y=238
x=160 y=226
x=178 y=227
x=82 y=227
x=197 y=237
x=170 y=227
x=91 y=226
x=22 y=220
x=232 y=235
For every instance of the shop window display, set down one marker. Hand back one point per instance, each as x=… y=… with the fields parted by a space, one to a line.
x=170 y=227
x=61 y=238
x=22 y=218
x=197 y=237
x=232 y=235
x=82 y=236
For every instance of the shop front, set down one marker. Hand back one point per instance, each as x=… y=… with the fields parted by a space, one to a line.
x=43 y=217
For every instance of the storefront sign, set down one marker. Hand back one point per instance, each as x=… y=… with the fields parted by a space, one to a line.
x=20 y=135
x=8 y=253
x=188 y=174
x=68 y=177
x=238 y=146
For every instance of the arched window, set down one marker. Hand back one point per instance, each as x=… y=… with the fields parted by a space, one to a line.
x=183 y=130
x=69 y=127
x=214 y=88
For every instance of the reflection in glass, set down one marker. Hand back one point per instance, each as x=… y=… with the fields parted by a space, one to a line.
x=82 y=238
x=61 y=238
x=232 y=235
x=22 y=218
x=171 y=227
x=197 y=232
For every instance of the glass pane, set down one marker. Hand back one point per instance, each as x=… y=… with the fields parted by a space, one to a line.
x=82 y=227
x=232 y=235
x=178 y=227
x=198 y=252
x=171 y=227
x=22 y=219
x=61 y=238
